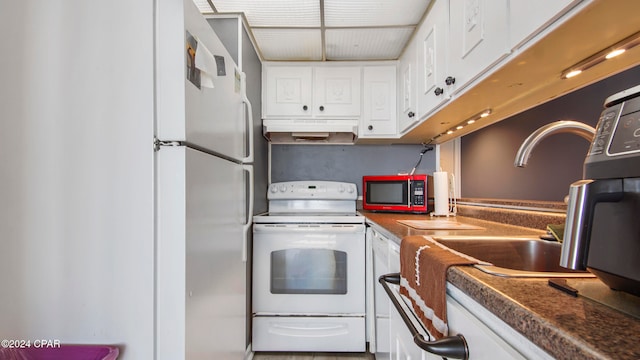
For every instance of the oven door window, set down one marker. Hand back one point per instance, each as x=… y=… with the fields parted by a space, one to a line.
x=308 y=271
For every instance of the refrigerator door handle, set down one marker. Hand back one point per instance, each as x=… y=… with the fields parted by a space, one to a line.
x=245 y=100
x=246 y=228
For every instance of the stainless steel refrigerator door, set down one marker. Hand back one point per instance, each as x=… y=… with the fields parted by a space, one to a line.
x=201 y=267
x=215 y=118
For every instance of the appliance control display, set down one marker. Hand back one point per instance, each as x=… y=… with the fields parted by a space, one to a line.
x=418 y=193
x=324 y=190
x=626 y=138
x=603 y=131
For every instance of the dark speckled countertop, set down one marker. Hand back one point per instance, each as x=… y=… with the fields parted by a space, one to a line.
x=566 y=327
x=392 y=228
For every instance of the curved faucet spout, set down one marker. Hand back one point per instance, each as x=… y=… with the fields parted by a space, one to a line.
x=562 y=126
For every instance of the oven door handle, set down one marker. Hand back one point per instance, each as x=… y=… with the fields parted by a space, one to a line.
x=449 y=347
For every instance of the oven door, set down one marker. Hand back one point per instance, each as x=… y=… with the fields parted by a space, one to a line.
x=307 y=269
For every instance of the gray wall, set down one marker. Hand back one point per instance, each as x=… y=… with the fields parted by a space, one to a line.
x=487 y=155
x=346 y=162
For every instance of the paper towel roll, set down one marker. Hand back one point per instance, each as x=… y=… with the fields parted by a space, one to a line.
x=441 y=193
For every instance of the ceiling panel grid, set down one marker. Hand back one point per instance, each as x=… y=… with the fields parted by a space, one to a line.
x=316 y=30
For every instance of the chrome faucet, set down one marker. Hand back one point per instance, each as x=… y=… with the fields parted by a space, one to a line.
x=562 y=126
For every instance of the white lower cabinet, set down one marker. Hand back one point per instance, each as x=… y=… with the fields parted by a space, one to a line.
x=487 y=336
x=382 y=306
x=405 y=349
x=484 y=342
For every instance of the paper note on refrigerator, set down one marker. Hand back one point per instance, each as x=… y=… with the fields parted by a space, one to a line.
x=206 y=63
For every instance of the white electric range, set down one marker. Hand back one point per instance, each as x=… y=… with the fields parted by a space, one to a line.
x=309 y=269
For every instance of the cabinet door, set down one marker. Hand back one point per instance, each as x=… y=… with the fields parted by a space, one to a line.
x=288 y=91
x=337 y=91
x=482 y=341
x=379 y=102
x=405 y=349
x=402 y=345
x=408 y=81
x=432 y=59
x=526 y=18
x=382 y=305
x=478 y=37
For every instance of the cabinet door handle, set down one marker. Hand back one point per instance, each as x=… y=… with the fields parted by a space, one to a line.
x=450 y=80
x=411 y=114
x=370 y=127
x=438 y=91
x=450 y=347
x=305 y=107
x=321 y=108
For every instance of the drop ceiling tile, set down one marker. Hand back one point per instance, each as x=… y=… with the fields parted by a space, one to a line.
x=289 y=44
x=366 y=44
x=281 y=13
x=340 y=13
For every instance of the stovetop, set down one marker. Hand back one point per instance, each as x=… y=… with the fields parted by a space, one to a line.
x=311 y=201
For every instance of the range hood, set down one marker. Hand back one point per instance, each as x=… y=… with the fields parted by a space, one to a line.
x=310 y=131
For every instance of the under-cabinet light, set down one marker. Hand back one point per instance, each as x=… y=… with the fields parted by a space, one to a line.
x=603 y=55
x=614 y=53
x=461 y=125
x=571 y=74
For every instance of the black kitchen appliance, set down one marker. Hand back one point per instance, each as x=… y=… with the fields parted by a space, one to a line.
x=602 y=229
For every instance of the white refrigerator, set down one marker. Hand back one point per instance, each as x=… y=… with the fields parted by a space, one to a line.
x=208 y=140
x=126 y=179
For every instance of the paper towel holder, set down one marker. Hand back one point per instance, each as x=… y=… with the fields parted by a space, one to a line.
x=444 y=198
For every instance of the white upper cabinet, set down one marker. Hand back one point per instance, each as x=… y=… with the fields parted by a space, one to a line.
x=457 y=42
x=457 y=46
x=337 y=91
x=379 y=102
x=478 y=37
x=433 y=82
x=288 y=91
x=526 y=18
x=310 y=91
x=408 y=83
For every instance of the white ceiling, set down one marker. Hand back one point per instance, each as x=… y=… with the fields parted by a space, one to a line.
x=318 y=30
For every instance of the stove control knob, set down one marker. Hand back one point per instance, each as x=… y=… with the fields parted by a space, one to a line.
x=283 y=188
x=273 y=189
x=341 y=188
x=350 y=190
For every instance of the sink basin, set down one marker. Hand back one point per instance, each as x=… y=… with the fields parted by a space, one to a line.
x=513 y=256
